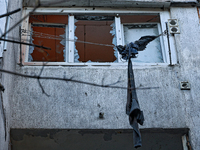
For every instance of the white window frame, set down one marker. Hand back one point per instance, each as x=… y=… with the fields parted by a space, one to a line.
x=164 y=16
x=159 y=32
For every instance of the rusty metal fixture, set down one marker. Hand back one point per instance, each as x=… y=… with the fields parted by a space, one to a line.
x=101 y=115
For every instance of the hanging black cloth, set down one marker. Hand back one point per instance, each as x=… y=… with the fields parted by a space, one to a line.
x=132 y=106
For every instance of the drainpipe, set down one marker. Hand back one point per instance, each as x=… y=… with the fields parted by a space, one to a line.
x=6 y=37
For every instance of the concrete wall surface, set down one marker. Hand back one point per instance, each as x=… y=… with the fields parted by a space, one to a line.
x=3 y=143
x=189 y=56
x=8 y=62
x=74 y=105
x=3 y=130
x=112 y=3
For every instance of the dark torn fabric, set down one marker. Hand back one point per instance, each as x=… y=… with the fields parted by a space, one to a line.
x=131 y=49
x=133 y=108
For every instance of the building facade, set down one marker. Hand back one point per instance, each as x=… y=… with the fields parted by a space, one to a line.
x=82 y=35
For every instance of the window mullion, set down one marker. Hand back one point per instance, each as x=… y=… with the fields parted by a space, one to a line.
x=118 y=34
x=26 y=26
x=71 y=39
x=161 y=42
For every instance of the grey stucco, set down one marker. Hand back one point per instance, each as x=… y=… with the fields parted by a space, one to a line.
x=111 y=3
x=3 y=131
x=77 y=106
x=189 y=56
x=8 y=62
x=74 y=105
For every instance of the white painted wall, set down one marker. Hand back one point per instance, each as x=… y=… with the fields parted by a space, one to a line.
x=3 y=10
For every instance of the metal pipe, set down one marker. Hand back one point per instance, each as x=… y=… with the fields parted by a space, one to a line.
x=10 y=13
x=6 y=37
x=19 y=42
x=20 y=47
x=170 y=59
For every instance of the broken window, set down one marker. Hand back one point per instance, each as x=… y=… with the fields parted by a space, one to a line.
x=78 y=37
x=136 y=26
x=48 y=31
x=94 y=32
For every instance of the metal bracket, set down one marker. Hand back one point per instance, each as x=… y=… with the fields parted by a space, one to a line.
x=173 y=26
x=185 y=85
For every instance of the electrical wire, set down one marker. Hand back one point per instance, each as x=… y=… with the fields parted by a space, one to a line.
x=50 y=36
x=55 y=37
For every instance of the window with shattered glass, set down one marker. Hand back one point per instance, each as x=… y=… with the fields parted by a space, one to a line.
x=136 y=26
x=97 y=36
x=82 y=38
x=49 y=31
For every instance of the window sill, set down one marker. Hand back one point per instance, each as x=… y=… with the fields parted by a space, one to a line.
x=92 y=64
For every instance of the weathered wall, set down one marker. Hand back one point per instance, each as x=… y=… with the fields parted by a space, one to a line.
x=8 y=62
x=189 y=57
x=77 y=106
x=74 y=105
x=112 y=3
x=3 y=143
x=3 y=119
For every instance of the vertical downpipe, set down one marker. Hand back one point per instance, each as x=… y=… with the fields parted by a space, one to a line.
x=20 y=47
x=6 y=36
x=170 y=59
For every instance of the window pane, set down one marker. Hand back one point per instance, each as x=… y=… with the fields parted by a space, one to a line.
x=94 y=29
x=47 y=30
x=153 y=52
